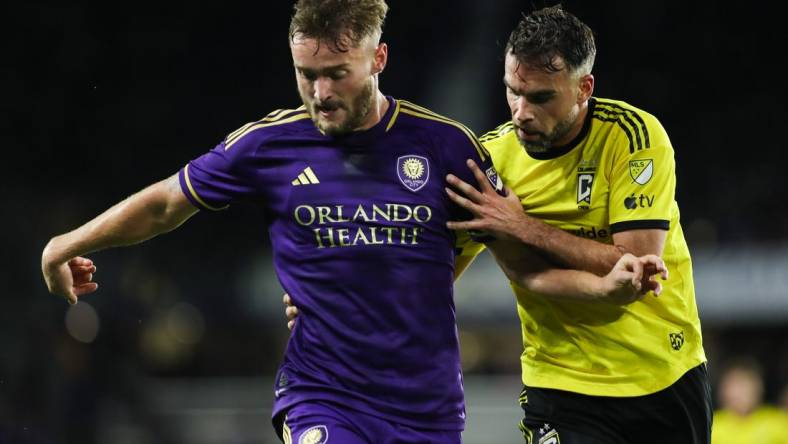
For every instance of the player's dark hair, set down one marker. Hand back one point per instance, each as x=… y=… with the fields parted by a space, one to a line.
x=551 y=32
x=341 y=23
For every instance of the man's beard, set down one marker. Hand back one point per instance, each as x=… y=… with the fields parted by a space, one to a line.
x=356 y=113
x=547 y=142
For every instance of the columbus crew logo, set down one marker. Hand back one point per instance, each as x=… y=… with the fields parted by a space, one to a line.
x=677 y=340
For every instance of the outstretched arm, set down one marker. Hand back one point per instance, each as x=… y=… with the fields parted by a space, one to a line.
x=157 y=209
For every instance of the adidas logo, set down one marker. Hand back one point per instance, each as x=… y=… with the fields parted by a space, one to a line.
x=306 y=178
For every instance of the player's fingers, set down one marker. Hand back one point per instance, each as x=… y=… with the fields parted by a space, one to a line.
x=481 y=178
x=286 y=299
x=463 y=202
x=71 y=298
x=290 y=325
x=653 y=286
x=659 y=267
x=83 y=279
x=464 y=225
x=469 y=191
x=83 y=289
x=80 y=261
x=654 y=261
x=636 y=267
x=291 y=312
x=81 y=269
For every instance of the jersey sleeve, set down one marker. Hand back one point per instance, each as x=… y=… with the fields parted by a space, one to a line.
x=467 y=146
x=643 y=182
x=221 y=176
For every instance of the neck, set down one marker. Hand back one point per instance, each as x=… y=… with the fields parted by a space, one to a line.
x=577 y=126
x=377 y=110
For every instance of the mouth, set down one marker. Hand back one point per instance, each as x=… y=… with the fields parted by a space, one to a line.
x=528 y=135
x=327 y=111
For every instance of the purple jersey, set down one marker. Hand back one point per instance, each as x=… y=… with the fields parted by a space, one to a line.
x=358 y=230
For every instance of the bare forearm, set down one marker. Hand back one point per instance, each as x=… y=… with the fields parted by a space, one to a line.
x=628 y=280
x=564 y=284
x=566 y=249
x=529 y=270
x=146 y=214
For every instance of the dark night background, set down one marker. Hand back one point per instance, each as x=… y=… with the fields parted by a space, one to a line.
x=101 y=99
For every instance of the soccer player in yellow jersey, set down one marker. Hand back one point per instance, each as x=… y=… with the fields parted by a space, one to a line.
x=596 y=179
x=743 y=418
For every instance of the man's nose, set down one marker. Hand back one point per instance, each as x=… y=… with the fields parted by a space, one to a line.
x=523 y=111
x=323 y=86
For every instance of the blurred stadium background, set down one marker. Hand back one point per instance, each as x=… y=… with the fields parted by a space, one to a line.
x=180 y=343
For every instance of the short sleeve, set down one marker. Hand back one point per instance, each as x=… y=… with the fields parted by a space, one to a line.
x=643 y=183
x=467 y=146
x=221 y=176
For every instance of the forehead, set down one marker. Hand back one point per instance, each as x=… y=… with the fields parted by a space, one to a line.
x=313 y=53
x=529 y=77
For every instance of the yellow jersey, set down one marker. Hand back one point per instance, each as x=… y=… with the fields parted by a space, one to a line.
x=617 y=175
x=766 y=425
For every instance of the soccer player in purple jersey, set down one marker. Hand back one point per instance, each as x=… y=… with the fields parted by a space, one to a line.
x=352 y=184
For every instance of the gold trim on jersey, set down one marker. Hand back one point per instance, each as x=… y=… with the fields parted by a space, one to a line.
x=279 y=119
x=424 y=113
x=286 y=434
x=194 y=193
x=270 y=116
x=628 y=120
x=393 y=115
x=499 y=131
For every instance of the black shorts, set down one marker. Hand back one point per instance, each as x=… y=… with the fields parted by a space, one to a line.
x=679 y=414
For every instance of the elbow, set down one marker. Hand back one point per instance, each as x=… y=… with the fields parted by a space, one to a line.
x=520 y=278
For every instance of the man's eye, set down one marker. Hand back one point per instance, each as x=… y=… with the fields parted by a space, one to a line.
x=308 y=75
x=336 y=75
x=540 y=99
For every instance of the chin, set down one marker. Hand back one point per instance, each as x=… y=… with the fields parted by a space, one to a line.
x=333 y=129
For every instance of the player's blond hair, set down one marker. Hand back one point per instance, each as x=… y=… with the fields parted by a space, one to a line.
x=340 y=23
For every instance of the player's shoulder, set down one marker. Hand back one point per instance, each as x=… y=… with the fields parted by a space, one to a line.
x=639 y=129
x=502 y=141
x=453 y=133
x=414 y=115
x=500 y=135
x=274 y=124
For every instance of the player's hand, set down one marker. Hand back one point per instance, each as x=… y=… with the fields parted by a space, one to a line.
x=633 y=277
x=492 y=213
x=71 y=279
x=291 y=311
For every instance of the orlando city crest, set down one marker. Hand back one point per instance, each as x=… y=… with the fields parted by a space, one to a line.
x=315 y=435
x=413 y=171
